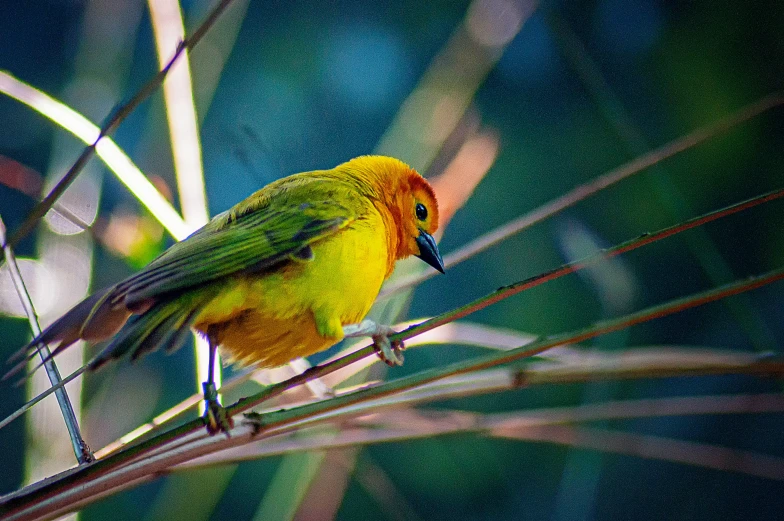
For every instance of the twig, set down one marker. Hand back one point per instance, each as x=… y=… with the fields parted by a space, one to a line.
x=55 y=388
x=586 y=190
x=702 y=247
x=114 y=120
x=277 y=419
x=501 y=294
x=80 y=448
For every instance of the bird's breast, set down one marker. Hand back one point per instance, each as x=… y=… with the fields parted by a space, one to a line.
x=299 y=309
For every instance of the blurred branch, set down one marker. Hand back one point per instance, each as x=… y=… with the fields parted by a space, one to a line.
x=656 y=447
x=586 y=190
x=80 y=448
x=701 y=245
x=445 y=90
x=111 y=154
x=112 y=123
x=169 y=30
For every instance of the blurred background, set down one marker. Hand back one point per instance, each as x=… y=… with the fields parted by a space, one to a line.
x=548 y=95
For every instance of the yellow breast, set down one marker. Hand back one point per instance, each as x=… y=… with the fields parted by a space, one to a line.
x=271 y=318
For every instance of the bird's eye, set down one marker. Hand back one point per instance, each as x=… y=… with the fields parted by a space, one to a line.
x=421 y=212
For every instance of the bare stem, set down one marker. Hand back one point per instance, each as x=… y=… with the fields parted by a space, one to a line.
x=405 y=424
x=81 y=450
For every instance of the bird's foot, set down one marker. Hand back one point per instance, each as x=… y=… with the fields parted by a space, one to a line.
x=254 y=419
x=391 y=353
x=215 y=417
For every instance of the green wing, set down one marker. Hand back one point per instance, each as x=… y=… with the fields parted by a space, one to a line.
x=276 y=224
x=234 y=243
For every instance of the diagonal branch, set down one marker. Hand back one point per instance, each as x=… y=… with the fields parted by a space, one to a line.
x=81 y=450
x=186 y=439
x=112 y=123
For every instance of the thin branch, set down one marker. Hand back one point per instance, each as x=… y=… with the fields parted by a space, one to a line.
x=189 y=440
x=284 y=418
x=55 y=388
x=701 y=246
x=625 y=247
x=80 y=448
x=586 y=190
x=504 y=293
x=112 y=123
x=540 y=279
x=464 y=333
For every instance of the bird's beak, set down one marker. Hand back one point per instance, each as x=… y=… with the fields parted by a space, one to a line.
x=428 y=251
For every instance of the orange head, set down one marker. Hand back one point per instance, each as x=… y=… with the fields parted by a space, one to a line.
x=407 y=199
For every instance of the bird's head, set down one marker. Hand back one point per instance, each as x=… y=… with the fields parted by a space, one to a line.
x=411 y=203
x=419 y=221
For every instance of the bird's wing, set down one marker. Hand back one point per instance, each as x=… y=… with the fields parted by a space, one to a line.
x=240 y=242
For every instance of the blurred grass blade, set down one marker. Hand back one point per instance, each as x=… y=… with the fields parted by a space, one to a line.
x=111 y=154
x=41 y=209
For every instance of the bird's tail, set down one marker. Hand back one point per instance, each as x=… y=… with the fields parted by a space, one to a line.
x=162 y=324
x=71 y=327
x=165 y=325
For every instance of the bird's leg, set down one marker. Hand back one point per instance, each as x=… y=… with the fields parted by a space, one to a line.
x=214 y=414
x=390 y=352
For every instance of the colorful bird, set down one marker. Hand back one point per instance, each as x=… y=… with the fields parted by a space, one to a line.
x=287 y=272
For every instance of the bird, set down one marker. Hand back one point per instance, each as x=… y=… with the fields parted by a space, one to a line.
x=287 y=272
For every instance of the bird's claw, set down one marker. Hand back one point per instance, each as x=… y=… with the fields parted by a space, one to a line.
x=391 y=353
x=215 y=417
x=254 y=419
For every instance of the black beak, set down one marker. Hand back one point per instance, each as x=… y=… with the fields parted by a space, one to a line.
x=428 y=251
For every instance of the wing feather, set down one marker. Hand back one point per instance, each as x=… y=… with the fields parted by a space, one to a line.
x=253 y=242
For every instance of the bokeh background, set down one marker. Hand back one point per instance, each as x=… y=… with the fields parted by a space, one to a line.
x=563 y=92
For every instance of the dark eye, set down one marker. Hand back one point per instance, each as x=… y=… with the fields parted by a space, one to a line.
x=421 y=212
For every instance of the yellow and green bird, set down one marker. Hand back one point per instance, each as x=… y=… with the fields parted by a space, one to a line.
x=287 y=272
